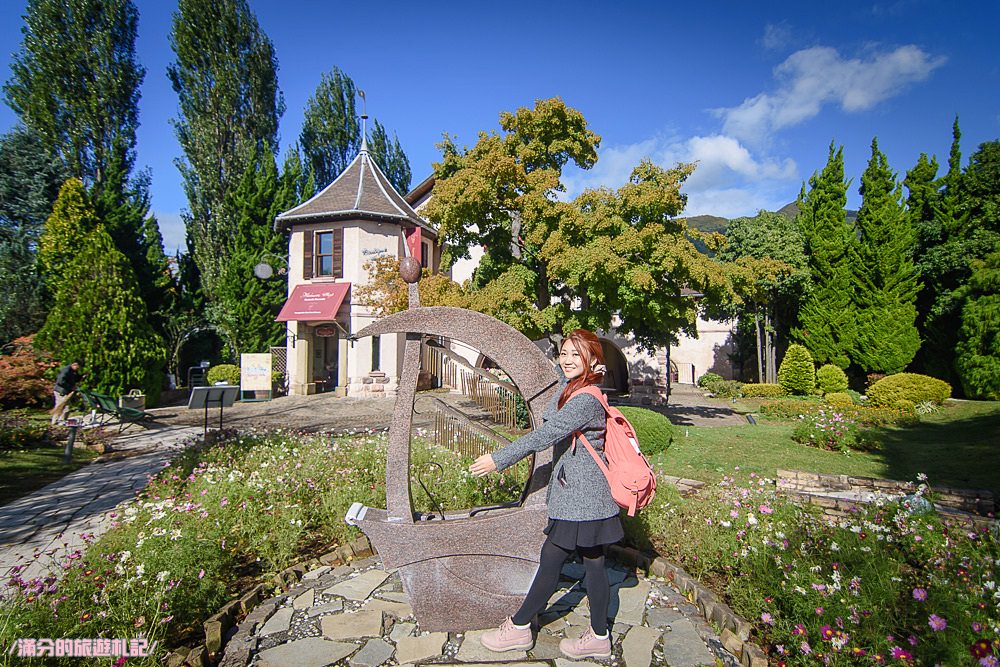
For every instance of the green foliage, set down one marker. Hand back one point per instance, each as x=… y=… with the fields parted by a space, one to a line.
x=762 y=390
x=827 y=317
x=22 y=300
x=17 y=431
x=831 y=379
x=838 y=398
x=98 y=316
x=228 y=373
x=655 y=432
x=830 y=428
x=75 y=82
x=797 y=375
x=22 y=375
x=709 y=378
x=225 y=77
x=330 y=135
x=885 y=278
x=978 y=351
x=911 y=387
x=390 y=158
x=72 y=219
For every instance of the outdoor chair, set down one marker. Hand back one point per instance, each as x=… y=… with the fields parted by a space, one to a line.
x=94 y=407
x=125 y=416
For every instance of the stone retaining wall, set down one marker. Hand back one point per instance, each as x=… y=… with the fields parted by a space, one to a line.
x=799 y=483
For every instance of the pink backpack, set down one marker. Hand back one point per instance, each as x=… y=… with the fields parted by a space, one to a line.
x=631 y=478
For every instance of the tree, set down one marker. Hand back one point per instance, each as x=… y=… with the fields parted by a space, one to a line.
x=330 y=135
x=550 y=265
x=29 y=184
x=75 y=82
x=771 y=248
x=98 y=316
x=884 y=276
x=72 y=220
x=827 y=318
x=797 y=374
x=390 y=158
x=386 y=293
x=977 y=356
x=226 y=80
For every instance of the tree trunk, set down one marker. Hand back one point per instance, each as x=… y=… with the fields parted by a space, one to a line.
x=760 y=358
x=770 y=351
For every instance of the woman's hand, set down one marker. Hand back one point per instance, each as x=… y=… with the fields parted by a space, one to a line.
x=484 y=465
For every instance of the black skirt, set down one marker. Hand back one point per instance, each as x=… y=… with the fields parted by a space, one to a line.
x=572 y=534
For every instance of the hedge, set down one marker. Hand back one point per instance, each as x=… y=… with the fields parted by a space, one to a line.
x=763 y=391
x=911 y=387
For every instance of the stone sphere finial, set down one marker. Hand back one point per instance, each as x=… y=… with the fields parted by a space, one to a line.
x=409 y=269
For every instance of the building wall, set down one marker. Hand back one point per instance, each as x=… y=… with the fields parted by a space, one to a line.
x=693 y=357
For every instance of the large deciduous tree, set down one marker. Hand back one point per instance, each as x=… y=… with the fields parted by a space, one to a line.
x=226 y=80
x=770 y=249
x=827 y=320
x=885 y=278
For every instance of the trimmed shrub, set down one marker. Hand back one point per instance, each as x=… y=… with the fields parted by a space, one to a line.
x=726 y=388
x=228 y=373
x=709 y=378
x=831 y=379
x=763 y=391
x=797 y=374
x=654 y=430
x=838 y=398
x=904 y=405
x=911 y=387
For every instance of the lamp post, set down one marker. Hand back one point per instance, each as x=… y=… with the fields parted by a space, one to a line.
x=265 y=271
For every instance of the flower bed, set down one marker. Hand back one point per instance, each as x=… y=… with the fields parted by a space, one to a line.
x=885 y=586
x=217 y=521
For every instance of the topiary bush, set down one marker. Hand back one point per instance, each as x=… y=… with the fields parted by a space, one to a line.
x=911 y=387
x=831 y=379
x=228 y=373
x=653 y=429
x=797 y=374
x=838 y=398
x=763 y=391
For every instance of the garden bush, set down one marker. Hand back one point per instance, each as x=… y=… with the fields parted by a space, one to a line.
x=797 y=374
x=228 y=373
x=838 y=398
x=831 y=379
x=709 y=378
x=911 y=387
x=18 y=431
x=829 y=428
x=653 y=429
x=22 y=375
x=752 y=390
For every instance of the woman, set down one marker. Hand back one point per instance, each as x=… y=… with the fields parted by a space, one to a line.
x=583 y=517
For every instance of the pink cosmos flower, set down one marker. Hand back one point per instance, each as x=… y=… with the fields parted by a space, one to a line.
x=764 y=509
x=937 y=623
x=920 y=594
x=900 y=654
x=767 y=618
x=805 y=648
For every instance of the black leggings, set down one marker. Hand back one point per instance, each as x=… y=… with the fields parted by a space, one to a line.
x=547 y=579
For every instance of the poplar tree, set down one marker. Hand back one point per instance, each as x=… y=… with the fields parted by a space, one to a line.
x=885 y=278
x=226 y=80
x=827 y=318
x=389 y=156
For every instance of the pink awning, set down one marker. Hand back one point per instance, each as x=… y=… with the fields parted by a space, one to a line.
x=314 y=303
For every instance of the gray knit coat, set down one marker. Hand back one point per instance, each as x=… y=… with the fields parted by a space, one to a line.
x=578 y=490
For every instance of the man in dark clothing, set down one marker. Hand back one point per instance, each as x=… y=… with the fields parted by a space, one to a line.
x=66 y=381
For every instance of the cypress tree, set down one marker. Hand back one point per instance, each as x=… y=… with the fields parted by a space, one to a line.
x=977 y=355
x=99 y=316
x=827 y=319
x=797 y=374
x=885 y=278
x=62 y=238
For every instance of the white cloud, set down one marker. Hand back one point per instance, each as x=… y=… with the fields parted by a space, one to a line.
x=812 y=78
x=777 y=36
x=172 y=229
x=729 y=179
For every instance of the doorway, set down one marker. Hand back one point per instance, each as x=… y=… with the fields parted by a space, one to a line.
x=326 y=359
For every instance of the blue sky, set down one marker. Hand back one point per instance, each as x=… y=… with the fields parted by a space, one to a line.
x=755 y=92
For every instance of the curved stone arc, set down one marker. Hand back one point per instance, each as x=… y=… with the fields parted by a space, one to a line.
x=526 y=365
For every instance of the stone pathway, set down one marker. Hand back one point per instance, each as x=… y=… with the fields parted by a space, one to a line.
x=358 y=614
x=51 y=521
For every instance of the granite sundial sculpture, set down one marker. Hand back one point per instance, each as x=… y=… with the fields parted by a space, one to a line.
x=465 y=569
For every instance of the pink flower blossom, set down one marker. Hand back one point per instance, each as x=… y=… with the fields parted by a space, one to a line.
x=920 y=594
x=937 y=623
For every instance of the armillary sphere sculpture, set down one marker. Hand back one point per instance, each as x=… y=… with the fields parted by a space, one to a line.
x=466 y=569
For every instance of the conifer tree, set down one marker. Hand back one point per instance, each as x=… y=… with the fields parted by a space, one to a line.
x=885 y=278
x=827 y=319
x=72 y=219
x=797 y=373
x=977 y=354
x=99 y=317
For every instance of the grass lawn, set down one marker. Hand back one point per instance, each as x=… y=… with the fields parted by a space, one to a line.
x=27 y=470
x=957 y=446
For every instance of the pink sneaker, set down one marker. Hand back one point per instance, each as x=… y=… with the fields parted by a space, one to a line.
x=587 y=646
x=507 y=638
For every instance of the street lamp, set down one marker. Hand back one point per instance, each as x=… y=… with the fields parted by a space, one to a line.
x=264 y=271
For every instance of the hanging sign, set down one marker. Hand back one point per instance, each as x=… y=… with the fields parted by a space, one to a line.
x=328 y=331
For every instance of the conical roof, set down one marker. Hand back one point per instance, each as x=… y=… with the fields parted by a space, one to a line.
x=361 y=192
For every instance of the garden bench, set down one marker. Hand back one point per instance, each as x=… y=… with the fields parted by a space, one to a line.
x=94 y=407
x=126 y=416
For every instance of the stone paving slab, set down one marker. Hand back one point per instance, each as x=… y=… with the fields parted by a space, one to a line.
x=669 y=631
x=308 y=652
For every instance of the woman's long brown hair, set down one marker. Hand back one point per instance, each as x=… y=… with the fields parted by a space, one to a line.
x=591 y=352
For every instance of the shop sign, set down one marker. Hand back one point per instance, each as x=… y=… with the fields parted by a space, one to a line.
x=326 y=331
